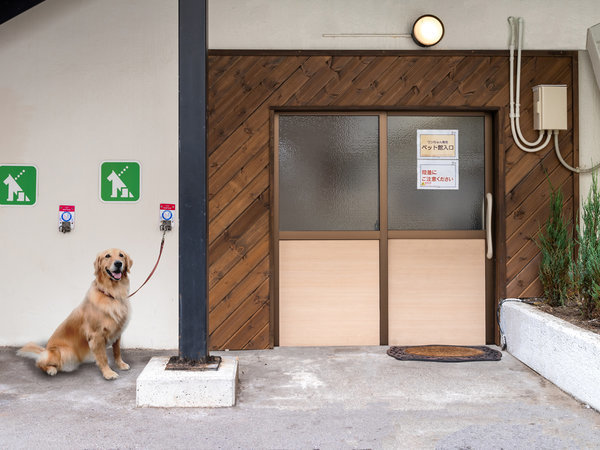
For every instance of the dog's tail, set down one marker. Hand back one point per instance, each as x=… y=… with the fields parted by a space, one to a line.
x=31 y=350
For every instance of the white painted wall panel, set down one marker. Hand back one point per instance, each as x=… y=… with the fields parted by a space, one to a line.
x=82 y=82
x=589 y=121
x=469 y=24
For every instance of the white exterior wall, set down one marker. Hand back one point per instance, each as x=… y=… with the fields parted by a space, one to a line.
x=469 y=24
x=83 y=81
x=589 y=122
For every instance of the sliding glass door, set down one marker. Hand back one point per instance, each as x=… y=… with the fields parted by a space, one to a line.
x=379 y=228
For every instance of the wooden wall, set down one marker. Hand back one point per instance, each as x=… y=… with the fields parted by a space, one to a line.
x=244 y=89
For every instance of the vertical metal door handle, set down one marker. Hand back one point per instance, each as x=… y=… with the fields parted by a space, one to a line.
x=488 y=226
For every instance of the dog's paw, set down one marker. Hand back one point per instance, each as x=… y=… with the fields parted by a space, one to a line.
x=122 y=365
x=51 y=371
x=110 y=374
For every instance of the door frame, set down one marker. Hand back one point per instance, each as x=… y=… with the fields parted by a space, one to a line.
x=492 y=185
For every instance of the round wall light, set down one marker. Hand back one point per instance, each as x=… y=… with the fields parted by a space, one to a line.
x=427 y=30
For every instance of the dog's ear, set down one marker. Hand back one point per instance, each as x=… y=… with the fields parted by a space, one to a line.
x=128 y=262
x=97 y=262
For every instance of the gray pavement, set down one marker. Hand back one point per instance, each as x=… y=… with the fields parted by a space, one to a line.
x=305 y=398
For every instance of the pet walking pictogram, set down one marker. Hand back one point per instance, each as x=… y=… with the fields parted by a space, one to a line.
x=19 y=185
x=118 y=185
x=120 y=181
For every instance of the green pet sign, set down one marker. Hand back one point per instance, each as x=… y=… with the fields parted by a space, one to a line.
x=120 y=181
x=18 y=185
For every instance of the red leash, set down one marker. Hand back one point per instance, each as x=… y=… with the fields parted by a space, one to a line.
x=162 y=244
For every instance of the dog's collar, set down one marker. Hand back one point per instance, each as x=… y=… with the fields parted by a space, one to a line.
x=105 y=293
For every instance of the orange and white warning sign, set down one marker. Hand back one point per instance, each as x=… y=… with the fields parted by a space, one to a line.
x=438 y=175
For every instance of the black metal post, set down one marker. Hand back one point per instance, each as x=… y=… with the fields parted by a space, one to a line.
x=193 y=186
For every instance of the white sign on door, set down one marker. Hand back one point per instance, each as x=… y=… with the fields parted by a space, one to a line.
x=438 y=174
x=437 y=159
x=437 y=144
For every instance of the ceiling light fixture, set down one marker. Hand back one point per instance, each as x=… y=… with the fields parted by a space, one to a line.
x=427 y=30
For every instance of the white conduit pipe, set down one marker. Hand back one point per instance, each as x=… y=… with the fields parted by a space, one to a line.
x=515 y=107
x=518 y=93
x=525 y=141
x=564 y=163
x=514 y=116
x=527 y=149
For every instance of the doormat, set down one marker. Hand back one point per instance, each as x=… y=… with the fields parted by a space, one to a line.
x=444 y=353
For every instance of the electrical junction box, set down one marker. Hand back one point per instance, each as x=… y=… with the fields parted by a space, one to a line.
x=550 y=107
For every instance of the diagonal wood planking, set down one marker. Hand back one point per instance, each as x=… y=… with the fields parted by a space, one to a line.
x=244 y=87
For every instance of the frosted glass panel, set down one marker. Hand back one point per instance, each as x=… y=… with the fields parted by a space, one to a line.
x=328 y=173
x=412 y=209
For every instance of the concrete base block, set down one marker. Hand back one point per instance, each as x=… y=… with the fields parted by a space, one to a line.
x=160 y=388
x=566 y=355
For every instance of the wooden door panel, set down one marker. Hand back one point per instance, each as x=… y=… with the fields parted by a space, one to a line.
x=436 y=291
x=328 y=292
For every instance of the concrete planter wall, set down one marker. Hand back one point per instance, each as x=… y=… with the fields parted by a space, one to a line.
x=566 y=355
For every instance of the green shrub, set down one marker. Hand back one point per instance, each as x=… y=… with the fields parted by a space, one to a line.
x=556 y=246
x=588 y=260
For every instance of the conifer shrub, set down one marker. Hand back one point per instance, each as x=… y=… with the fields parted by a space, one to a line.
x=556 y=247
x=588 y=258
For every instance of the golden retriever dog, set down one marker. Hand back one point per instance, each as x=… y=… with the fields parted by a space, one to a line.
x=95 y=324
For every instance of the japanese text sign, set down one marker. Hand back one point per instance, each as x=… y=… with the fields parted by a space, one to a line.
x=438 y=175
x=437 y=144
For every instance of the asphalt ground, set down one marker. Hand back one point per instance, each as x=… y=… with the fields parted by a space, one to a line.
x=301 y=398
